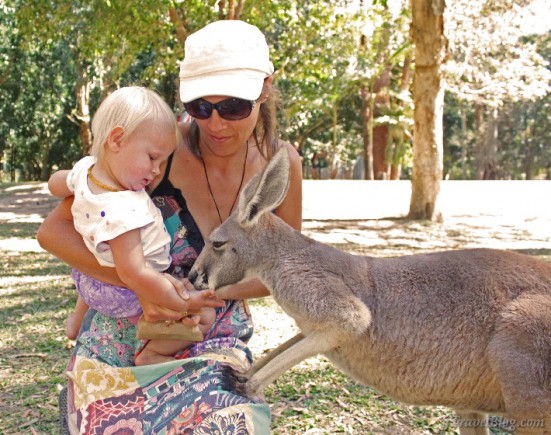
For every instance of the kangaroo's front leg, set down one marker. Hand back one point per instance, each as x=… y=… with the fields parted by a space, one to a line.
x=315 y=343
x=275 y=353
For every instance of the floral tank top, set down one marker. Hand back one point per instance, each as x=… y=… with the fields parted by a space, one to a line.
x=187 y=241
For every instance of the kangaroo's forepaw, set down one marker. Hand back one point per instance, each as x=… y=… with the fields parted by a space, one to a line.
x=254 y=390
x=233 y=381
x=240 y=384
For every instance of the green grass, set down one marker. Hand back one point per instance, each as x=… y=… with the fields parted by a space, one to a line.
x=36 y=295
x=314 y=396
x=20 y=230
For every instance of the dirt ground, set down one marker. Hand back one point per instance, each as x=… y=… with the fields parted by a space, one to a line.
x=360 y=217
x=366 y=218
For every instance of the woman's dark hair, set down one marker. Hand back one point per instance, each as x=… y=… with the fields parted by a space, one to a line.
x=265 y=132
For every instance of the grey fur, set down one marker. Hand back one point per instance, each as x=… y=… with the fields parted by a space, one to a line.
x=466 y=329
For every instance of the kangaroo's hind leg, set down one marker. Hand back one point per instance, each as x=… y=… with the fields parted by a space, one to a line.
x=472 y=423
x=520 y=353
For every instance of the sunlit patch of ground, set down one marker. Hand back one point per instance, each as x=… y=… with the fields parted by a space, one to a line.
x=29 y=202
x=364 y=218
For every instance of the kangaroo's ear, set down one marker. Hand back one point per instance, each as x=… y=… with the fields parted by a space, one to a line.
x=266 y=190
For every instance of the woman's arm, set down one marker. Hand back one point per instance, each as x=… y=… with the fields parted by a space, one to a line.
x=290 y=210
x=250 y=289
x=58 y=236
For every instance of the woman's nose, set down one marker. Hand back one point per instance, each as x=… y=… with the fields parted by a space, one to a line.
x=216 y=122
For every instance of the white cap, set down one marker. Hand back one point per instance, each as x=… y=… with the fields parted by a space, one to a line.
x=227 y=57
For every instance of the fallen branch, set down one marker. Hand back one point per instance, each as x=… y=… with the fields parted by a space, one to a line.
x=29 y=355
x=29 y=423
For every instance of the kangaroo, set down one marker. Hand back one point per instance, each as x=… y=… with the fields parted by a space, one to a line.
x=467 y=329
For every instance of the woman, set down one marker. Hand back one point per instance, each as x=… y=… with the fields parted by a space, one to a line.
x=226 y=86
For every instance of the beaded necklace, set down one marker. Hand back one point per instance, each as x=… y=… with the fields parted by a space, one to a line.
x=99 y=183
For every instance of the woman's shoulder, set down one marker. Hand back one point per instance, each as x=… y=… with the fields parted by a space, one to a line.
x=293 y=153
x=294 y=156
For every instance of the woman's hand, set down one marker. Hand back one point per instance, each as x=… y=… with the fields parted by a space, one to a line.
x=153 y=312
x=192 y=301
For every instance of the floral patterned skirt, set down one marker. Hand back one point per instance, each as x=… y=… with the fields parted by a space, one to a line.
x=194 y=393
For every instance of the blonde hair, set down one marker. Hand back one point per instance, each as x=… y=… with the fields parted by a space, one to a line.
x=128 y=108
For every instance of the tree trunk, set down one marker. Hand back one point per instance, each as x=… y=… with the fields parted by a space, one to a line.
x=13 y=162
x=234 y=9
x=405 y=79
x=428 y=97
x=179 y=26
x=45 y=167
x=380 y=142
x=334 y=142
x=464 y=139
x=367 y=121
x=490 y=147
x=380 y=132
x=487 y=143
x=82 y=92
x=479 y=129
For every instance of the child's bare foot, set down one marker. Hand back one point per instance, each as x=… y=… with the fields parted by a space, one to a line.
x=148 y=356
x=72 y=327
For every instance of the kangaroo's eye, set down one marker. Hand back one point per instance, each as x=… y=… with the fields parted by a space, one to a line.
x=218 y=245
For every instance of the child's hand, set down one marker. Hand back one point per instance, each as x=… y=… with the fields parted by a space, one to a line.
x=185 y=306
x=153 y=312
x=181 y=286
x=199 y=299
x=191 y=320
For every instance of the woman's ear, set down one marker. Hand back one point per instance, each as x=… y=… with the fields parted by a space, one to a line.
x=266 y=89
x=114 y=140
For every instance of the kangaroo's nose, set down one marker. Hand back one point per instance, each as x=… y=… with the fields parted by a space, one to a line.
x=192 y=276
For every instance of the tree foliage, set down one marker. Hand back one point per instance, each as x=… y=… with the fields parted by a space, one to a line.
x=342 y=67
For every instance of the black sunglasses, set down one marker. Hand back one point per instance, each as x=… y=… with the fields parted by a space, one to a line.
x=232 y=109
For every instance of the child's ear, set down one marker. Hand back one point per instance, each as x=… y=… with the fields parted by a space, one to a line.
x=114 y=140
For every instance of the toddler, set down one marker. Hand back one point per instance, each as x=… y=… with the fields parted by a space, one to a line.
x=134 y=132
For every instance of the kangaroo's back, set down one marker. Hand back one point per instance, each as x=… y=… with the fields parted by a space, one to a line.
x=434 y=317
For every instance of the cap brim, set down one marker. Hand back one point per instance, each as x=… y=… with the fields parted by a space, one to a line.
x=238 y=84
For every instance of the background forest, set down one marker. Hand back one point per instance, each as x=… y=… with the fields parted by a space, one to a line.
x=344 y=68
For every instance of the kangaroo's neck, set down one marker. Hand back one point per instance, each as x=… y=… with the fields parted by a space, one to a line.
x=279 y=238
x=290 y=255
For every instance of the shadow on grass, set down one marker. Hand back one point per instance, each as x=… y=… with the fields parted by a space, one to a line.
x=33 y=350
x=20 y=230
x=23 y=201
x=542 y=253
x=33 y=264
x=31 y=305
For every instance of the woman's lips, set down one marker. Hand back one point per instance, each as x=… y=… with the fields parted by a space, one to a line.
x=218 y=139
